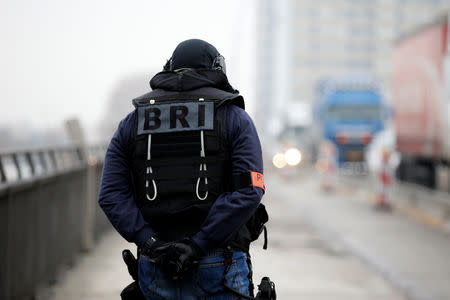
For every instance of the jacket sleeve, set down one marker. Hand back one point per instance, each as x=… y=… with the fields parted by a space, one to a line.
x=115 y=196
x=231 y=210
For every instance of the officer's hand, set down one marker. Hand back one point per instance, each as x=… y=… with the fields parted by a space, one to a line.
x=156 y=249
x=184 y=258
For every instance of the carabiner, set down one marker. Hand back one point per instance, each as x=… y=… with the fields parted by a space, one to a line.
x=154 y=189
x=197 y=192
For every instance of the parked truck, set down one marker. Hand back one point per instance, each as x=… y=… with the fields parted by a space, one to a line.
x=348 y=111
x=420 y=91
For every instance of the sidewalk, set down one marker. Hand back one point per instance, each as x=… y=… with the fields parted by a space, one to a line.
x=98 y=275
x=414 y=257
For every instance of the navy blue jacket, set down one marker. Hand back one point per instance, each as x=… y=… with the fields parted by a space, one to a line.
x=229 y=212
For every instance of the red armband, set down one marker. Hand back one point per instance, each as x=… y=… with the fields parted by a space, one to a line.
x=258 y=180
x=247 y=179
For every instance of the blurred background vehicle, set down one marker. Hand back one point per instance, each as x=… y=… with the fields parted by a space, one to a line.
x=349 y=111
x=421 y=91
x=297 y=131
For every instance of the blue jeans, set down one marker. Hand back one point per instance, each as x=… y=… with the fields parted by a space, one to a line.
x=205 y=282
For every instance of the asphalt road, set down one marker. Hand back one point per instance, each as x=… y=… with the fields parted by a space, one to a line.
x=304 y=262
x=412 y=256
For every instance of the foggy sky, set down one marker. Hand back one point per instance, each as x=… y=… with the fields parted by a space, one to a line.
x=61 y=59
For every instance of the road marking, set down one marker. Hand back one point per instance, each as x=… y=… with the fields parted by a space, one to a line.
x=413 y=212
x=424 y=217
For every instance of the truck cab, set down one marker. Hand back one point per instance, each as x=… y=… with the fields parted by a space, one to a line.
x=349 y=112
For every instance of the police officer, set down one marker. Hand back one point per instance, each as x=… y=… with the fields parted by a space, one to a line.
x=183 y=178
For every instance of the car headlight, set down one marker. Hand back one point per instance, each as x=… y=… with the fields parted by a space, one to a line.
x=293 y=156
x=279 y=160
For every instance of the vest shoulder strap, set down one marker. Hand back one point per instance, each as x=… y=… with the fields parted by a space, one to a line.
x=209 y=93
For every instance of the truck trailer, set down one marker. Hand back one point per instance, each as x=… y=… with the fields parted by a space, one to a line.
x=420 y=91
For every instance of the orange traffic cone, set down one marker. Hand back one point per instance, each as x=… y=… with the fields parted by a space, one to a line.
x=327 y=166
x=384 y=183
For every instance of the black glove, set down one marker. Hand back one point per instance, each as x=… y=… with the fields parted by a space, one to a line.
x=183 y=258
x=156 y=250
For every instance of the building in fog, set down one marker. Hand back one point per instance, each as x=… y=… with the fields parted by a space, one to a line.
x=302 y=41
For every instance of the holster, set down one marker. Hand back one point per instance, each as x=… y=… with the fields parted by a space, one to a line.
x=132 y=292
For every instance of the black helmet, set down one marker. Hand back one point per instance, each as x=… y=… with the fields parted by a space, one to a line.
x=195 y=54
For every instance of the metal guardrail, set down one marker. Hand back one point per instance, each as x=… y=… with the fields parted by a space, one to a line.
x=48 y=213
x=22 y=165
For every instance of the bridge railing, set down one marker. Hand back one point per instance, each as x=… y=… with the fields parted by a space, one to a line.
x=48 y=213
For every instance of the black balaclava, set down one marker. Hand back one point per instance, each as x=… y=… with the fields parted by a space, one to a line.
x=194 y=54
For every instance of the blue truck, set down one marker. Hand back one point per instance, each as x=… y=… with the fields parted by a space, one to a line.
x=349 y=111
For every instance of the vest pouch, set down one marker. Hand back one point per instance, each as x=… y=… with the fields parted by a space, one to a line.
x=255 y=224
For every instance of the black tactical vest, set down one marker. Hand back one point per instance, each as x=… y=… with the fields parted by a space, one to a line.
x=181 y=160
